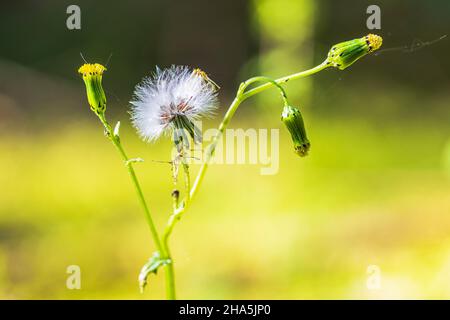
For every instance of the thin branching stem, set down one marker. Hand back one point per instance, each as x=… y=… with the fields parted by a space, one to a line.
x=116 y=141
x=240 y=97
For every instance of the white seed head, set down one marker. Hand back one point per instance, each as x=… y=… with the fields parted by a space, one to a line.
x=167 y=94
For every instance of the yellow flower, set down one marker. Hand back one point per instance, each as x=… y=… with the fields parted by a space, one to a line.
x=92 y=76
x=344 y=54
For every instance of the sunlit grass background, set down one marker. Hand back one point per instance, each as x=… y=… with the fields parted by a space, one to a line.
x=362 y=197
x=375 y=189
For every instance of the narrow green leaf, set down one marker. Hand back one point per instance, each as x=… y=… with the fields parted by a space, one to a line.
x=151 y=266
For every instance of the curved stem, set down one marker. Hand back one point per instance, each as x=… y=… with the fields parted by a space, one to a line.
x=269 y=80
x=177 y=214
x=294 y=76
x=240 y=97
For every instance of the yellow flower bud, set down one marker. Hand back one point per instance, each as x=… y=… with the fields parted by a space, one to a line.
x=92 y=76
x=344 y=54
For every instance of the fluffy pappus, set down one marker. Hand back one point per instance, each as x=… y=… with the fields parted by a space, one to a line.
x=170 y=98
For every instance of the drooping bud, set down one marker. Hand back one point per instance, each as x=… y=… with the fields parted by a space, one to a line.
x=293 y=120
x=92 y=76
x=344 y=54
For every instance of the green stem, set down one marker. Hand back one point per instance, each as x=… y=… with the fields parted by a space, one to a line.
x=175 y=216
x=116 y=141
x=212 y=147
x=187 y=182
x=268 y=80
x=170 y=272
x=240 y=97
x=294 y=76
x=170 y=278
x=160 y=247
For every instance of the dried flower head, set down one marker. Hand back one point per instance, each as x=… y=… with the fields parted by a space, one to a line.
x=344 y=54
x=92 y=76
x=170 y=101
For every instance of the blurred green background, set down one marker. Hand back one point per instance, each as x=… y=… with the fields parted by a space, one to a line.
x=375 y=189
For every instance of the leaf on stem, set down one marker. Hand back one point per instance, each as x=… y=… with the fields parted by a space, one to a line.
x=151 y=267
x=133 y=160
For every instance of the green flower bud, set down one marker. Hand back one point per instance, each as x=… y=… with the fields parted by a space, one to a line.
x=293 y=120
x=344 y=54
x=92 y=76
